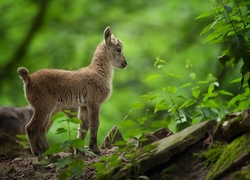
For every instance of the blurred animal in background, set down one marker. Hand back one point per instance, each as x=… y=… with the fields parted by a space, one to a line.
x=14 y=119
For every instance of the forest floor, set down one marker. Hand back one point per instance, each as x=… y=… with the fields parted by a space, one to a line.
x=182 y=166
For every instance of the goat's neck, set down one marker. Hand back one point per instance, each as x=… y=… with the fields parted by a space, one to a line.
x=101 y=63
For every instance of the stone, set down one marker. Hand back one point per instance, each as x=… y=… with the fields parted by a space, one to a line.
x=167 y=147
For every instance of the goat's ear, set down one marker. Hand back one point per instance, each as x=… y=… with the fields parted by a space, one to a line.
x=107 y=35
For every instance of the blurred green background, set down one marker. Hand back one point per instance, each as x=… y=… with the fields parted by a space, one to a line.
x=64 y=34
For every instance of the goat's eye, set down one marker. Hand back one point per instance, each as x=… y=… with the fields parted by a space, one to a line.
x=118 y=50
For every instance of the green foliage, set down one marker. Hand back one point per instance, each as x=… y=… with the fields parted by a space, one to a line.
x=231 y=29
x=71 y=165
x=24 y=141
x=178 y=106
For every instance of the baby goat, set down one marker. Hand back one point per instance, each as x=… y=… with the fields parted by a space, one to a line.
x=50 y=89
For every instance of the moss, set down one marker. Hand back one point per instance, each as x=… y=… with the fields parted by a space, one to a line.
x=231 y=152
x=212 y=154
x=241 y=175
x=167 y=173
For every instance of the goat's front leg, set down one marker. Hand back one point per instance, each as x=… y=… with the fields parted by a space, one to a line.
x=93 y=111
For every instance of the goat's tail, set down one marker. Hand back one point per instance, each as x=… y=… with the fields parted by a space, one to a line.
x=24 y=74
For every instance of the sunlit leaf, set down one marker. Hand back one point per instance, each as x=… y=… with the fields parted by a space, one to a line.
x=205 y=14
x=54 y=148
x=196 y=91
x=187 y=103
x=223 y=92
x=211 y=37
x=186 y=85
x=192 y=75
x=172 y=89
x=237 y=80
x=138 y=105
x=154 y=76
x=161 y=105
x=75 y=120
x=128 y=123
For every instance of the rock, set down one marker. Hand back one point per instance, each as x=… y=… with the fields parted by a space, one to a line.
x=111 y=138
x=231 y=129
x=235 y=154
x=233 y=126
x=148 y=138
x=245 y=122
x=10 y=147
x=166 y=148
x=162 y=133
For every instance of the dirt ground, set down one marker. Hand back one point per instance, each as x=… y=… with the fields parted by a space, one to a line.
x=181 y=166
x=27 y=167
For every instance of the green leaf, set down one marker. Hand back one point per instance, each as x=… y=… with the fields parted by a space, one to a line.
x=59 y=116
x=212 y=37
x=75 y=120
x=223 y=92
x=192 y=75
x=205 y=14
x=228 y=8
x=150 y=96
x=187 y=103
x=61 y=130
x=61 y=163
x=205 y=30
x=154 y=76
x=64 y=174
x=173 y=75
x=211 y=104
x=196 y=91
x=128 y=124
x=120 y=143
x=186 y=85
x=55 y=148
x=236 y=80
x=78 y=144
x=172 y=89
x=77 y=166
x=138 y=105
x=161 y=105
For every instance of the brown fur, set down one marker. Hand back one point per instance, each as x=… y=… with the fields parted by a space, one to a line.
x=50 y=89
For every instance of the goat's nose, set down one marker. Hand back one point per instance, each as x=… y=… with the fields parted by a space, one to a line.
x=124 y=64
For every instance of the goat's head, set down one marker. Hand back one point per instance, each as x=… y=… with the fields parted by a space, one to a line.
x=115 y=48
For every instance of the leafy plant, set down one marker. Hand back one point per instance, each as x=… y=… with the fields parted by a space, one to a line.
x=230 y=28
x=70 y=165
x=24 y=141
x=178 y=106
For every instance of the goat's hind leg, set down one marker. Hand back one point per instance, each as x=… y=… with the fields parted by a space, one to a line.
x=36 y=131
x=84 y=126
